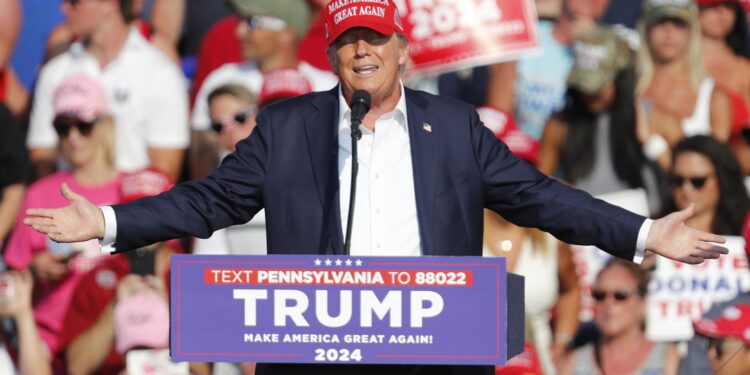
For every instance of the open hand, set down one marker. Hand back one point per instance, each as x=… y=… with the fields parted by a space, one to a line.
x=81 y=220
x=670 y=237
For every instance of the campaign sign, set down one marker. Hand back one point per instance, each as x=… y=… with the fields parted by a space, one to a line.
x=338 y=309
x=680 y=293
x=448 y=34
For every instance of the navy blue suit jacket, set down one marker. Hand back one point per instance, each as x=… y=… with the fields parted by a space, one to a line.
x=289 y=166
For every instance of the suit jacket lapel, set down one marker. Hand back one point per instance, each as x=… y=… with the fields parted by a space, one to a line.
x=321 y=130
x=424 y=130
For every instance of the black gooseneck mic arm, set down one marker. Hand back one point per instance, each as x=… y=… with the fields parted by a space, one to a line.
x=359 y=107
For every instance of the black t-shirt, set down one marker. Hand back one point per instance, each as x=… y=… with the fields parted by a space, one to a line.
x=14 y=162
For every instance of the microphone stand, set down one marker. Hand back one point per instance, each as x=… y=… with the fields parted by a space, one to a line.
x=356 y=135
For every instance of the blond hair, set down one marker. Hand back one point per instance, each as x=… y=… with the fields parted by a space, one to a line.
x=694 y=60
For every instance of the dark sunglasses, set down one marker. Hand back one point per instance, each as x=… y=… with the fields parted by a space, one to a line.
x=239 y=118
x=264 y=22
x=619 y=295
x=698 y=182
x=63 y=124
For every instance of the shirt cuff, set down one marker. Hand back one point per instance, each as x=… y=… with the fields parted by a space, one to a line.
x=640 y=244
x=110 y=230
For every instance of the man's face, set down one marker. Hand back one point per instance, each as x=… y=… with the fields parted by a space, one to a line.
x=367 y=60
x=260 y=36
x=83 y=16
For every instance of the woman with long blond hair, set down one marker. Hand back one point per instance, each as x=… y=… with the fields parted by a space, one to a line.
x=677 y=97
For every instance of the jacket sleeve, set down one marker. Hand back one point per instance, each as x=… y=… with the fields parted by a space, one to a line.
x=231 y=195
x=526 y=197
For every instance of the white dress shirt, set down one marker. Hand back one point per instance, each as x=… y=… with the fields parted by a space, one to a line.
x=385 y=212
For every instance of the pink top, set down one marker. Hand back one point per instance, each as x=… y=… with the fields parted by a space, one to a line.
x=51 y=299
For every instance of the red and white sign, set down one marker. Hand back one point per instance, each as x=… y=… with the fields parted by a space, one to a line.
x=449 y=34
x=681 y=293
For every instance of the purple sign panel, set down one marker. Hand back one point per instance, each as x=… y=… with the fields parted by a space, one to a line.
x=337 y=309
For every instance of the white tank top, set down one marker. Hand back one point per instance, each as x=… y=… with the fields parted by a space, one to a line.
x=699 y=123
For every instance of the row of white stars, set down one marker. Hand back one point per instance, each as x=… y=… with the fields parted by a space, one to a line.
x=338 y=262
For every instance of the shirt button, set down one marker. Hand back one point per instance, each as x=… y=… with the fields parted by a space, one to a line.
x=377 y=176
x=377 y=211
x=377 y=246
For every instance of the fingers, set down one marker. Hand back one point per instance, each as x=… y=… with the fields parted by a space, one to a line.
x=715 y=249
x=68 y=193
x=691 y=259
x=39 y=212
x=686 y=213
x=710 y=237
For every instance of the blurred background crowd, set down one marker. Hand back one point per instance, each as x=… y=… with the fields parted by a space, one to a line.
x=121 y=99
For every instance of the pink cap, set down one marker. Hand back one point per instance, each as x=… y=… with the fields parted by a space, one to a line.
x=505 y=129
x=141 y=320
x=143 y=183
x=283 y=83
x=379 y=15
x=81 y=97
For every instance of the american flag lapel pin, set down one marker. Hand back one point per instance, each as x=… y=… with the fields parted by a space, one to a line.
x=427 y=127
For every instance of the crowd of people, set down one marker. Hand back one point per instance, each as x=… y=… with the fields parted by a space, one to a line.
x=121 y=99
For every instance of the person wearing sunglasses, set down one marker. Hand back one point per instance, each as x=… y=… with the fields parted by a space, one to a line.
x=86 y=142
x=705 y=173
x=619 y=293
x=269 y=32
x=728 y=339
x=677 y=98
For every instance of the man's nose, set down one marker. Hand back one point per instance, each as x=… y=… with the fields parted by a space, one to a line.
x=362 y=47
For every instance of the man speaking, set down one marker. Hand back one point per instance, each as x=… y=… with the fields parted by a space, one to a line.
x=427 y=168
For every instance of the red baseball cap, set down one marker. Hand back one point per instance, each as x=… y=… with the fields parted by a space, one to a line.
x=714 y=2
x=734 y=321
x=143 y=183
x=505 y=129
x=379 y=15
x=283 y=83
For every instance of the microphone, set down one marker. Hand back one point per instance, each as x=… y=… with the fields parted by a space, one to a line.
x=359 y=106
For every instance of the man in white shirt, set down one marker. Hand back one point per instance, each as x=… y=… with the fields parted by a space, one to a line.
x=428 y=163
x=147 y=94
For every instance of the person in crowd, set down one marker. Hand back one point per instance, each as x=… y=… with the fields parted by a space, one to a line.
x=551 y=279
x=533 y=87
x=592 y=142
x=15 y=171
x=25 y=352
x=440 y=168
x=232 y=108
x=677 y=98
x=696 y=360
x=726 y=52
x=146 y=92
x=622 y=348
x=269 y=32
x=706 y=174
x=86 y=130
x=728 y=339
x=12 y=93
x=95 y=337
x=161 y=30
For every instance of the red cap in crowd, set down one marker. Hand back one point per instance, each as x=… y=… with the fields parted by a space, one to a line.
x=141 y=320
x=746 y=234
x=505 y=129
x=734 y=321
x=283 y=83
x=379 y=15
x=143 y=183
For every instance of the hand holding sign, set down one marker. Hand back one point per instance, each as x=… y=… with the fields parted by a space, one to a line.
x=671 y=238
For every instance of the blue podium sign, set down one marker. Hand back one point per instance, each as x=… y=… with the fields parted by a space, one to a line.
x=337 y=309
